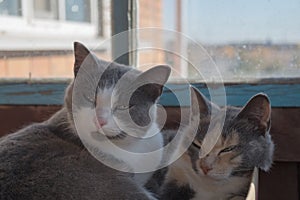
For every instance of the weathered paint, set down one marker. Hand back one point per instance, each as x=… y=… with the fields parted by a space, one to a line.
x=32 y=94
x=281 y=94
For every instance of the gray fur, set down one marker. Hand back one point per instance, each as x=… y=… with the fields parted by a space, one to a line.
x=143 y=98
x=176 y=191
x=256 y=144
x=48 y=161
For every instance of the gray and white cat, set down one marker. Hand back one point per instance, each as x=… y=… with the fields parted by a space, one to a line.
x=49 y=161
x=225 y=171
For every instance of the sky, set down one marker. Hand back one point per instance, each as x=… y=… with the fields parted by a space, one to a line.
x=229 y=21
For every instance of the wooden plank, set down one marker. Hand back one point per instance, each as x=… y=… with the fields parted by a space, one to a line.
x=298 y=180
x=280 y=183
x=281 y=95
x=32 y=94
x=285 y=131
x=13 y=118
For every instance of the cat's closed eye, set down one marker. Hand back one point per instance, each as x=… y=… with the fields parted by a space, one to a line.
x=196 y=145
x=228 y=149
x=124 y=107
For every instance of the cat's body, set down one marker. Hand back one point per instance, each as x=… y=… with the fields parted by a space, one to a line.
x=182 y=182
x=47 y=161
x=50 y=160
x=224 y=169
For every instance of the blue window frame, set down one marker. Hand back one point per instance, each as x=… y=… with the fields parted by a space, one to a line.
x=283 y=93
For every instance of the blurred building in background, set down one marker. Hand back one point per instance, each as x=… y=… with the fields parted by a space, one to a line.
x=36 y=37
x=36 y=41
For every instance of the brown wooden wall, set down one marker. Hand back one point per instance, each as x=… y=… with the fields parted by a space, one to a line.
x=282 y=182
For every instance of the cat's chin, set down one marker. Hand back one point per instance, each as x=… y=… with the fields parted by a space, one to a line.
x=217 y=177
x=109 y=133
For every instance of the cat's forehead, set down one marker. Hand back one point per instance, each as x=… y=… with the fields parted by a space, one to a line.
x=230 y=139
x=230 y=111
x=104 y=96
x=115 y=73
x=234 y=125
x=114 y=83
x=224 y=119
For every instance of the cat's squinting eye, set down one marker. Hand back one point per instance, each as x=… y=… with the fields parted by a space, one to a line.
x=197 y=145
x=228 y=149
x=124 y=107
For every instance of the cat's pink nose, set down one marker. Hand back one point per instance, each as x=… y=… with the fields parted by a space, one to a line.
x=102 y=121
x=205 y=169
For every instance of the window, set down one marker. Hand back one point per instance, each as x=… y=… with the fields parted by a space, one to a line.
x=29 y=22
x=79 y=11
x=246 y=40
x=37 y=36
x=42 y=46
x=71 y=10
x=45 y=9
x=10 y=7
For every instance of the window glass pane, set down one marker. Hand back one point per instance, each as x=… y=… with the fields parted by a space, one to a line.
x=167 y=45
x=10 y=7
x=78 y=10
x=46 y=9
x=246 y=39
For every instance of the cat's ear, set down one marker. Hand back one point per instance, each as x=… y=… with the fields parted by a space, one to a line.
x=258 y=111
x=154 y=80
x=80 y=53
x=200 y=104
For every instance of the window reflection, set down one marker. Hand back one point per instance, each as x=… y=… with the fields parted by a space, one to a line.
x=10 y=7
x=45 y=9
x=78 y=10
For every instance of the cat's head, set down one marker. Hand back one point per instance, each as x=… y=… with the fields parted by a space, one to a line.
x=244 y=141
x=113 y=95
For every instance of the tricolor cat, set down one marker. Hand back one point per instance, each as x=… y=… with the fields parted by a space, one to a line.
x=223 y=171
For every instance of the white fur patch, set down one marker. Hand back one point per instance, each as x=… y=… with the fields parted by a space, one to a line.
x=146 y=161
x=205 y=187
x=103 y=110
